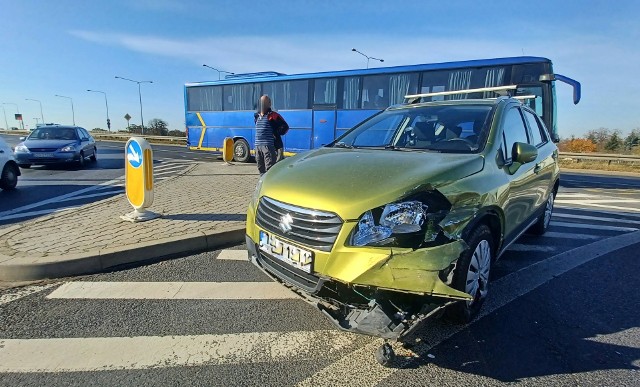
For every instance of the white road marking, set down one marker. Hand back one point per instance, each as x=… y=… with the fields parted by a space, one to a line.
x=359 y=367
x=146 y=352
x=23 y=292
x=58 y=198
x=592 y=226
x=568 y=235
x=531 y=248
x=233 y=255
x=594 y=211
x=91 y=196
x=173 y=291
x=592 y=203
x=597 y=218
x=38 y=213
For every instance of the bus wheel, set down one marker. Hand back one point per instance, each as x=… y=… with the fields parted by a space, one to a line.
x=241 y=152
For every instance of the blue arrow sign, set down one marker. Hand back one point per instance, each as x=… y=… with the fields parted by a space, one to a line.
x=134 y=154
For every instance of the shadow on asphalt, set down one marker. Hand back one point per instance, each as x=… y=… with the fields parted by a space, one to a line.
x=207 y=217
x=582 y=321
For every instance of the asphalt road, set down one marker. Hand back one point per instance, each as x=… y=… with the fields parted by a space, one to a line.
x=562 y=311
x=45 y=189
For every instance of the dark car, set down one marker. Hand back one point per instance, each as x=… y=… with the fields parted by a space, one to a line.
x=56 y=145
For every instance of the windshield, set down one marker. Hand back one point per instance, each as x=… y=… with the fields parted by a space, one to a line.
x=53 y=134
x=444 y=128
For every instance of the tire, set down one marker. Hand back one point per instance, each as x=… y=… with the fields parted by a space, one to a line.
x=81 y=161
x=471 y=275
x=25 y=166
x=241 y=151
x=9 y=177
x=542 y=224
x=94 y=156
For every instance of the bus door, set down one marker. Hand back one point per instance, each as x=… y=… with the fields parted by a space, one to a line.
x=324 y=125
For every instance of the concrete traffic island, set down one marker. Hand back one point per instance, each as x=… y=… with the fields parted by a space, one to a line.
x=203 y=209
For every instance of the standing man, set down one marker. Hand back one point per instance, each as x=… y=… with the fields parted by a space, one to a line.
x=270 y=126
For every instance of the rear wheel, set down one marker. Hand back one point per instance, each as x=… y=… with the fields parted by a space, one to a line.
x=9 y=177
x=241 y=151
x=542 y=224
x=471 y=275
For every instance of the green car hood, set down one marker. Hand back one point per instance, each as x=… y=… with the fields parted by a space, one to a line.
x=352 y=181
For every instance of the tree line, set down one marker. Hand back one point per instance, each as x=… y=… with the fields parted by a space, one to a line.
x=154 y=127
x=603 y=140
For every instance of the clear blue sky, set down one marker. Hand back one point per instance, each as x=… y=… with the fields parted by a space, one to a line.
x=65 y=47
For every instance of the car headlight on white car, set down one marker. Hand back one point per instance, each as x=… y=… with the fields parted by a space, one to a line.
x=68 y=148
x=396 y=218
x=21 y=149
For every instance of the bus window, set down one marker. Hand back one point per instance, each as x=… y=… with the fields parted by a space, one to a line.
x=434 y=82
x=325 y=91
x=351 y=93
x=204 y=98
x=533 y=103
x=288 y=95
x=375 y=92
x=241 y=97
x=401 y=85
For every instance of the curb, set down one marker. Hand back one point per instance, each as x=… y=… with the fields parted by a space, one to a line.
x=31 y=269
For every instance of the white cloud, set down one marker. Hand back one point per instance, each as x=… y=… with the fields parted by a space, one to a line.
x=604 y=67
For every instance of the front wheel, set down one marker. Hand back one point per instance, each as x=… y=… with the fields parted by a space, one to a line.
x=542 y=224
x=9 y=177
x=81 y=161
x=241 y=151
x=471 y=275
x=94 y=156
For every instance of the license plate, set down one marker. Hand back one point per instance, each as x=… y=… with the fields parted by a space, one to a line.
x=299 y=258
x=44 y=155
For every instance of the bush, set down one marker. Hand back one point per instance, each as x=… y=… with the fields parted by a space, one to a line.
x=577 y=145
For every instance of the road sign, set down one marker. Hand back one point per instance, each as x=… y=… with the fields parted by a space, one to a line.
x=108 y=124
x=18 y=117
x=138 y=179
x=127 y=117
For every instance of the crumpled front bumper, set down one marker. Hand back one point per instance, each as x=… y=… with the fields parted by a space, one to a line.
x=414 y=277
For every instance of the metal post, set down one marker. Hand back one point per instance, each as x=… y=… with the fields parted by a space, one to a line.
x=6 y=124
x=73 y=113
x=38 y=101
x=106 y=104
x=367 y=56
x=219 y=71
x=140 y=97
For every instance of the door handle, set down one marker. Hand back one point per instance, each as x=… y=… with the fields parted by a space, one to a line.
x=537 y=169
x=1 y=151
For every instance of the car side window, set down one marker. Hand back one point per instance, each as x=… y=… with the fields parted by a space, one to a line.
x=83 y=134
x=513 y=130
x=538 y=137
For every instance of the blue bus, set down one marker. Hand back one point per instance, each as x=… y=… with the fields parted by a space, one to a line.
x=321 y=106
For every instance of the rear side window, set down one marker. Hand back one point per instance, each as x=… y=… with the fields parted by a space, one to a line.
x=536 y=130
x=513 y=131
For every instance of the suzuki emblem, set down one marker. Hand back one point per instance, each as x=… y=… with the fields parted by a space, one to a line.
x=285 y=223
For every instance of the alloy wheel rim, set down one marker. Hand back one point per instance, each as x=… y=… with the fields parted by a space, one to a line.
x=239 y=151
x=478 y=273
x=548 y=211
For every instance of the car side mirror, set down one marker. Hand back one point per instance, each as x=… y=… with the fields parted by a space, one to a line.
x=523 y=153
x=22 y=138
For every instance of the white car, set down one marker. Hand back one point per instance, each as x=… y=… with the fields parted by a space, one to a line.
x=9 y=170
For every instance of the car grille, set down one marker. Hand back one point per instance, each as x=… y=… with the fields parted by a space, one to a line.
x=315 y=229
x=48 y=150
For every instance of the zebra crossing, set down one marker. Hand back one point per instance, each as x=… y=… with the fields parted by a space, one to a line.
x=238 y=318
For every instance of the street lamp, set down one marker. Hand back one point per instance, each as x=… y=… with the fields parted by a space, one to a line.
x=219 y=71
x=366 y=56
x=36 y=118
x=17 y=110
x=41 y=115
x=6 y=124
x=73 y=113
x=139 y=96
x=106 y=104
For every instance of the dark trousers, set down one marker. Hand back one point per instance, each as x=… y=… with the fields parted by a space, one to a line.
x=280 y=152
x=266 y=157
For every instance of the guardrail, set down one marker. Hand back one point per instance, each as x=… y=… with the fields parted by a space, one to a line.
x=601 y=157
x=124 y=137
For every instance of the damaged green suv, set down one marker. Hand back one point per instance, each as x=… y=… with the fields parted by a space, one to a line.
x=403 y=216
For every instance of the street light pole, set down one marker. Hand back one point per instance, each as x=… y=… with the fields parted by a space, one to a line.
x=17 y=110
x=36 y=118
x=106 y=104
x=73 y=113
x=6 y=124
x=41 y=115
x=139 y=96
x=366 y=56
x=219 y=71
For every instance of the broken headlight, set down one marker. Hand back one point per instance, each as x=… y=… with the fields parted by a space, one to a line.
x=395 y=219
